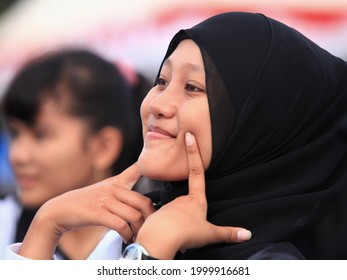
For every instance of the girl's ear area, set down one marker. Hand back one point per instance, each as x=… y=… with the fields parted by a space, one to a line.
x=106 y=147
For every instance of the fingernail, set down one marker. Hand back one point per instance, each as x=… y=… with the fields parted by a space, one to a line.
x=244 y=235
x=189 y=139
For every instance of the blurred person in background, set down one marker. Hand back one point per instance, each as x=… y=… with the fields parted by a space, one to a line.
x=73 y=120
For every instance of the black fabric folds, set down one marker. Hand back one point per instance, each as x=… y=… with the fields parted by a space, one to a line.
x=23 y=223
x=279 y=154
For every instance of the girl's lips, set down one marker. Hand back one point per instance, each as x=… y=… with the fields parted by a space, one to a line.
x=158 y=133
x=26 y=182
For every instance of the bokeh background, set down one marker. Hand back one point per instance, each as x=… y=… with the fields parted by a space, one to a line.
x=137 y=32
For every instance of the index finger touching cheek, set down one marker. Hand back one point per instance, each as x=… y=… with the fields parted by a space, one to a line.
x=196 y=167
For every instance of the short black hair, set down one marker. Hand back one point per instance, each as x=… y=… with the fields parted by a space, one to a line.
x=96 y=90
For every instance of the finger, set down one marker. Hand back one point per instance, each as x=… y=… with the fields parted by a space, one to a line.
x=128 y=177
x=196 y=168
x=118 y=224
x=230 y=234
x=136 y=201
x=130 y=215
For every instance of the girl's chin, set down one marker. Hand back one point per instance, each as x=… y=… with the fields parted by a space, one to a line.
x=161 y=170
x=166 y=176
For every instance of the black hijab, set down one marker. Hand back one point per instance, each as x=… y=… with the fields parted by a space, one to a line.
x=278 y=107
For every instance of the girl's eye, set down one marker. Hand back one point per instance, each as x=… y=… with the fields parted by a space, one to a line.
x=40 y=134
x=190 y=87
x=161 y=82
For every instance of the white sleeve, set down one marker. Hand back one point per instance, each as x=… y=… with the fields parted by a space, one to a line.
x=109 y=248
x=12 y=252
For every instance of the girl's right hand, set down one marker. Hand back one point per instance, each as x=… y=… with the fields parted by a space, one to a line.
x=110 y=203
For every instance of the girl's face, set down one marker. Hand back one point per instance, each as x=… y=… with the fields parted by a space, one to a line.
x=52 y=157
x=176 y=105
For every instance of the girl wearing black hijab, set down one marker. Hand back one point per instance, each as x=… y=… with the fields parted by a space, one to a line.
x=278 y=116
x=252 y=113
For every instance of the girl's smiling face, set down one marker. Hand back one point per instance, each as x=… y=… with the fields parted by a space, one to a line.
x=51 y=157
x=175 y=105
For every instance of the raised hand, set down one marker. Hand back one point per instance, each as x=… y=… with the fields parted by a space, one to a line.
x=109 y=203
x=181 y=224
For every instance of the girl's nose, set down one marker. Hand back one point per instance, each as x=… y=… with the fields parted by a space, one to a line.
x=163 y=105
x=19 y=151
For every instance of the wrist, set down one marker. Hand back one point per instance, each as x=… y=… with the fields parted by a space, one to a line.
x=157 y=249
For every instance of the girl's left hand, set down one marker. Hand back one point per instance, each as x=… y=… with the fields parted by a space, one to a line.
x=181 y=224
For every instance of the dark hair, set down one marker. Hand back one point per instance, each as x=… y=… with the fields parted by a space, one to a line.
x=96 y=92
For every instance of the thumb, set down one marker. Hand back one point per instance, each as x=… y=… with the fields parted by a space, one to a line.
x=231 y=234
